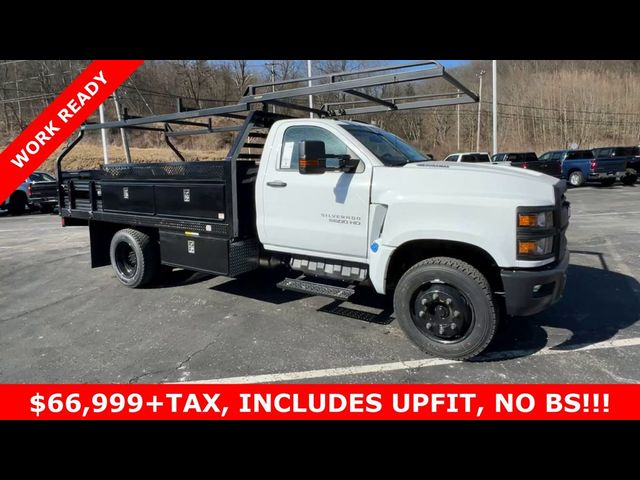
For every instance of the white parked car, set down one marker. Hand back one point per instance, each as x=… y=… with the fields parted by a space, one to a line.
x=469 y=157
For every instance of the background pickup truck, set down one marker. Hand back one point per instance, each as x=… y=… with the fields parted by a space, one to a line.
x=631 y=155
x=530 y=160
x=38 y=192
x=580 y=166
x=469 y=157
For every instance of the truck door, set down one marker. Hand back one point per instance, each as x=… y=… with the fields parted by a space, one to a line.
x=323 y=214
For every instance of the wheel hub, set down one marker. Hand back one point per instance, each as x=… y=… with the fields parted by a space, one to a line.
x=441 y=312
x=126 y=260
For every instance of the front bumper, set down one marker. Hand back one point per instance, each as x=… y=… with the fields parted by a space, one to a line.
x=519 y=285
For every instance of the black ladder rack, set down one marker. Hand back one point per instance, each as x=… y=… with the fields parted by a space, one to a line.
x=348 y=83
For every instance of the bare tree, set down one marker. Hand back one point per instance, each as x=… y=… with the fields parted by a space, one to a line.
x=241 y=75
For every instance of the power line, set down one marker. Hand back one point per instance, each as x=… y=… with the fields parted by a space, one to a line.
x=531 y=107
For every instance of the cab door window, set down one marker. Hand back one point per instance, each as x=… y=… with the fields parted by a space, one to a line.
x=290 y=154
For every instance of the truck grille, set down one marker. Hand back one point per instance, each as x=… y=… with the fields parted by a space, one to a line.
x=561 y=214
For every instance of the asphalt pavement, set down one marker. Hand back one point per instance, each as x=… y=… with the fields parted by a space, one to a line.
x=61 y=321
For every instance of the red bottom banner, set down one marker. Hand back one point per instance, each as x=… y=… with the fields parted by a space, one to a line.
x=319 y=402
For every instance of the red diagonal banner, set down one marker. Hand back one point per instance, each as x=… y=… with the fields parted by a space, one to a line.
x=58 y=121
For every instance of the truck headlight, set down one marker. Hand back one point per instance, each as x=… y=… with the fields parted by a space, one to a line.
x=536 y=232
x=540 y=247
x=535 y=220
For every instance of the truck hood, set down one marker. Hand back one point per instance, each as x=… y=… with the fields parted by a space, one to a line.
x=503 y=168
x=473 y=182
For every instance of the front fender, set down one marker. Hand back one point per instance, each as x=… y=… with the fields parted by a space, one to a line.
x=379 y=260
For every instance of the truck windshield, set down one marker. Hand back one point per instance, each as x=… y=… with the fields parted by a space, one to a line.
x=389 y=149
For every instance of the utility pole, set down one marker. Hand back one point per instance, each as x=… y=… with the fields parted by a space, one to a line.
x=272 y=68
x=309 y=74
x=123 y=132
x=15 y=71
x=458 y=115
x=494 y=78
x=480 y=75
x=103 y=134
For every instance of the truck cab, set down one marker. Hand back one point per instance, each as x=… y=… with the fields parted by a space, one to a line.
x=337 y=204
x=395 y=218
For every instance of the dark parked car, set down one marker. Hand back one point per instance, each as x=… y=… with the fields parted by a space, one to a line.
x=529 y=160
x=38 y=192
x=580 y=166
x=631 y=155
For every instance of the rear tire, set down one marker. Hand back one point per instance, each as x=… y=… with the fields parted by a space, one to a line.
x=446 y=307
x=576 y=178
x=630 y=177
x=135 y=257
x=17 y=203
x=608 y=182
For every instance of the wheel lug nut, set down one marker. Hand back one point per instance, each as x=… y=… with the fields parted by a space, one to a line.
x=453 y=326
x=429 y=325
x=456 y=314
x=435 y=296
x=448 y=301
x=423 y=301
x=421 y=313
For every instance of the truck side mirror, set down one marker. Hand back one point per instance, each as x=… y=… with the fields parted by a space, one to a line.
x=312 y=157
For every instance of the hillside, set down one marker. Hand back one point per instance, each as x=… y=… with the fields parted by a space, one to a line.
x=89 y=156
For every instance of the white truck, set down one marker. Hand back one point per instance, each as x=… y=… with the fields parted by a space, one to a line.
x=339 y=203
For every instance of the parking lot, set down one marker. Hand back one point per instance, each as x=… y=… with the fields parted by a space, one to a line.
x=61 y=321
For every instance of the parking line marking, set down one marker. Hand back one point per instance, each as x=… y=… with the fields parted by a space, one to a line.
x=598 y=214
x=410 y=364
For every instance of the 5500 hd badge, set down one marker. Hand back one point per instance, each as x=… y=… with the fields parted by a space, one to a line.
x=345 y=219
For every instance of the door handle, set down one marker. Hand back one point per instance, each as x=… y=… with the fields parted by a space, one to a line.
x=277 y=184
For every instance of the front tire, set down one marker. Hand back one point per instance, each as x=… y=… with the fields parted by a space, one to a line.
x=135 y=257
x=446 y=307
x=576 y=178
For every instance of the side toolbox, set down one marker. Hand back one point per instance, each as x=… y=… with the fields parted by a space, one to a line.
x=128 y=197
x=194 y=252
x=199 y=201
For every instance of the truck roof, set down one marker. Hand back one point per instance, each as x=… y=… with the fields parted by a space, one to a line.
x=514 y=153
x=469 y=153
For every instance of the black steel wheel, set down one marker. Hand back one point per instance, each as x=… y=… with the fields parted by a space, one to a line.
x=134 y=257
x=442 y=313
